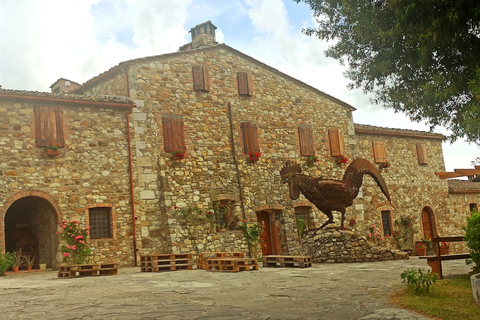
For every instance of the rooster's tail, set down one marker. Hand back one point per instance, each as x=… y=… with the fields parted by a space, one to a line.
x=360 y=167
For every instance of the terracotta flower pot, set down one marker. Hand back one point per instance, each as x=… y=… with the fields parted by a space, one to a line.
x=444 y=250
x=422 y=251
x=15 y=268
x=29 y=268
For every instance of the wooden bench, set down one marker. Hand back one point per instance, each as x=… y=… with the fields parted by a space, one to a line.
x=435 y=262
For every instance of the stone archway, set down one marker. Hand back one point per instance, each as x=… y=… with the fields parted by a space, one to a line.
x=30 y=224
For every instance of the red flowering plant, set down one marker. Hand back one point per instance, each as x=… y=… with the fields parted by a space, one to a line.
x=375 y=235
x=254 y=156
x=342 y=159
x=443 y=244
x=384 y=165
x=76 y=250
x=312 y=159
x=420 y=244
x=178 y=155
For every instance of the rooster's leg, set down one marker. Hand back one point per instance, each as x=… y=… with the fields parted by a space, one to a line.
x=343 y=216
x=330 y=219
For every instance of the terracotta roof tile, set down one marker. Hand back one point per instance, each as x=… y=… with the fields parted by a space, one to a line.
x=71 y=97
x=463 y=186
x=363 y=128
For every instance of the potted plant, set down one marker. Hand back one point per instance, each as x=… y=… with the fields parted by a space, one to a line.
x=384 y=165
x=421 y=248
x=178 y=155
x=6 y=261
x=254 y=156
x=312 y=159
x=29 y=261
x=342 y=159
x=17 y=261
x=444 y=248
x=52 y=151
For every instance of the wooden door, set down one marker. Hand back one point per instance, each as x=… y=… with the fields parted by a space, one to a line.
x=265 y=237
x=427 y=223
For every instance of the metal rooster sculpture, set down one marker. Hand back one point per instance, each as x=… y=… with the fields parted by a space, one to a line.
x=331 y=195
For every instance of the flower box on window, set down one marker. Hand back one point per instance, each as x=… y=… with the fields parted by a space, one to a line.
x=52 y=151
x=342 y=159
x=254 y=156
x=178 y=155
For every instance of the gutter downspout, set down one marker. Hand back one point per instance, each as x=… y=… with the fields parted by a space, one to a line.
x=242 y=203
x=130 y=165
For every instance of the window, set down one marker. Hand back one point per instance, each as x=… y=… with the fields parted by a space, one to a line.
x=200 y=78
x=49 y=127
x=174 y=139
x=422 y=153
x=250 y=137
x=245 y=84
x=305 y=136
x=100 y=222
x=379 y=154
x=473 y=207
x=387 y=222
x=302 y=215
x=223 y=214
x=336 y=143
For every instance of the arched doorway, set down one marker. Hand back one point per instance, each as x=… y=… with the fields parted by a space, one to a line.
x=270 y=238
x=30 y=225
x=428 y=223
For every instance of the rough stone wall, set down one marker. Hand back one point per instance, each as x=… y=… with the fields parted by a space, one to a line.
x=412 y=186
x=91 y=170
x=455 y=217
x=164 y=86
x=340 y=246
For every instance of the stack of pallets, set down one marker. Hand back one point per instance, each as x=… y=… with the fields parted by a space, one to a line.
x=87 y=270
x=203 y=257
x=232 y=264
x=165 y=262
x=287 y=261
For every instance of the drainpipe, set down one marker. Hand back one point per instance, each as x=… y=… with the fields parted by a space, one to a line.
x=242 y=204
x=130 y=166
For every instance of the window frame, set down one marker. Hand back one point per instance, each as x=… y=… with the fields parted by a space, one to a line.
x=245 y=84
x=386 y=216
x=379 y=152
x=200 y=78
x=49 y=128
x=93 y=224
x=306 y=141
x=422 y=154
x=336 y=144
x=250 y=137
x=173 y=133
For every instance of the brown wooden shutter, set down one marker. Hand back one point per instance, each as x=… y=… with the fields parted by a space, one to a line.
x=59 y=138
x=245 y=85
x=305 y=136
x=336 y=143
x=250 y=137
x=379 y=153
x=422 y=153
x=173 y=134
x=41 y=125
x=200 y=78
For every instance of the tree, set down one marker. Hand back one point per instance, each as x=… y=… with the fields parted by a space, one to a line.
x=419 y=57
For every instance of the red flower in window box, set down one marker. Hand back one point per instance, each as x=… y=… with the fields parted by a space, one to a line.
x=178 y=155
x=342 y=159
x=52 y=151
x=254 y=156
x=384 y=165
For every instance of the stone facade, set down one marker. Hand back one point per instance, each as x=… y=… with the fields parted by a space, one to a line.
x=130 y=168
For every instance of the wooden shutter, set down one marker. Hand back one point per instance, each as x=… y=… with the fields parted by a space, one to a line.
x=305 y=136
x=59 y=138
x=336 y=143
x=245 y=85
x=200 y=78
x=250 y=137
x=379 y=154
x=41 y=126
x=173 y=134
x=422 y=153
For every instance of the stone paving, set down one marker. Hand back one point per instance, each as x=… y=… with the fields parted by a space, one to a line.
x=324 y=291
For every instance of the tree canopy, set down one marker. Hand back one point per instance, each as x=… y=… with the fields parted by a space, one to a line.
x=419 y=57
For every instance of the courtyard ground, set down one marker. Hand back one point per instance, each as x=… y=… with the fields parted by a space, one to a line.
x=324 y=291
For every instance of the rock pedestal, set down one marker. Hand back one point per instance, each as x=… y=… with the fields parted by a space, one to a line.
x=475 y=279
x=339 y=246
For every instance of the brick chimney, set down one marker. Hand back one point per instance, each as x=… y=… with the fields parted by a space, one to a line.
x=203 y=35
x=63 y=85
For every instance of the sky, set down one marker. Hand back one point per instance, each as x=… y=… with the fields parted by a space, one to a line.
x=44 y=40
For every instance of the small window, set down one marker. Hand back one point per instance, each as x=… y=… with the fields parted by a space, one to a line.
x=223 y=214
x=379 y=153
x=336 y=143
x=387 y=222
x=473 y=207
x=49 y=127
x=422 y=154
x=245 y=84
x=100 y=221
x=200 y=78
x=302 y=217
x=173 y=135
x=250 y=137
x=305 y=136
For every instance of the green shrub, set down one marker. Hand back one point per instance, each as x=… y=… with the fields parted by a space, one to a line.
x=472 y=237
x=6 y=261
x=418 y=280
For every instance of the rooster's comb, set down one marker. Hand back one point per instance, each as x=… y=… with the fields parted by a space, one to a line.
x=290 y=167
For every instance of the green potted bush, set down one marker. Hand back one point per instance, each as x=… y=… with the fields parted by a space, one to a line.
x=17 y=261
x=6 y=262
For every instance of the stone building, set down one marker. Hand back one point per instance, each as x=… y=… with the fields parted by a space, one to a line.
x=209 y=128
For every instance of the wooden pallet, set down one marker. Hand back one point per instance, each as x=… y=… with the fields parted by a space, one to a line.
x=88 y=270
x=203 y=257
x=232 y=264
x=165 y=262
x=287 y=261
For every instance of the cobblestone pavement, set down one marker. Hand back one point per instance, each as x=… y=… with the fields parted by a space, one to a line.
x=324 y=291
